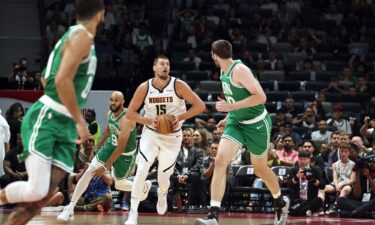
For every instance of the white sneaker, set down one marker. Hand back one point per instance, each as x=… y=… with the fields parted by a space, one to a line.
x=162 y=204
x=66 y=214
x=132 y=218
x=283 y=217
x=206 y=222
x=148 y=185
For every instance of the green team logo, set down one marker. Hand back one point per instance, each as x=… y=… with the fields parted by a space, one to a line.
x=114 y=133
x=90 y=72
x=228 y=92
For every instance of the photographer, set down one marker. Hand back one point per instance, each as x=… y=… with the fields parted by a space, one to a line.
x=362 y=203
x=305 y=182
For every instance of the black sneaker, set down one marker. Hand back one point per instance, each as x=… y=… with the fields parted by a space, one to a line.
x=212 y=218
x=281 y=210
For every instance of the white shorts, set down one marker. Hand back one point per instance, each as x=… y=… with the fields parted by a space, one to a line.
x=165 y=147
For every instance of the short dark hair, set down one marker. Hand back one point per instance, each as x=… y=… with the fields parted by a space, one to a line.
x=160 y=57
x=86 y=9
x=92 y=111
x=222 y=48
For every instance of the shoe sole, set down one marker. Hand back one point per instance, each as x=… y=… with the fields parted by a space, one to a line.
x=201 y=222
x=69 y=219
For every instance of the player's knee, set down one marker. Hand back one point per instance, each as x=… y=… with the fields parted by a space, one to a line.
x=220 y=162
x=38 y=193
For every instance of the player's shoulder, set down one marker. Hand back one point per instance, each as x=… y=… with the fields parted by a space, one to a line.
x=241 y=68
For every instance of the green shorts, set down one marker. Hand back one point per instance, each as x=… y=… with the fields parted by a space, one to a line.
x=122 y=166
x=255 y=136
x=49 y=135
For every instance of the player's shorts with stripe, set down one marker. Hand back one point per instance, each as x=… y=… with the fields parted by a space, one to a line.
x=49 y=135
x=122 y=166
x=254 y=134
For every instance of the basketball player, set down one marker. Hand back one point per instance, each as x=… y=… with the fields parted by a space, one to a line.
x=162 y=94
x=51 y=125
x=117 y=147
x=248 y=123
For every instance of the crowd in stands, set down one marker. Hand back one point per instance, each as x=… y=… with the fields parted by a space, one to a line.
x=314 y=60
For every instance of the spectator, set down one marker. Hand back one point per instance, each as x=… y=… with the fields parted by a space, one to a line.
x=269 y=4
x=333 y=14
x=304 y=47
x=271 y=59
x=289 y=107
x=207 y=172
x=347 y=77
x=338 y=121
x=97 y=197
x=334 y=86
x=193 y=58
x=191 y=37
x=247 y=58
x=187 y=171
x=288 y=156
x=13 y=116
x=305 y=182
x=94 y=127
x=362 y=203
x=200 y=141
x=4 y=141
x=208 y=127
x=307 y=120
x=362 y=149
x=266 y=37
x=322 y=135
x=221 y=5
x=343 y=176
x=289 y=131
x=187 y=17
x=318 y=109
x=333 y=153
x=216 y=135
x=141 y=39
x=315 y=159
x=14 y=170
x=366 y=132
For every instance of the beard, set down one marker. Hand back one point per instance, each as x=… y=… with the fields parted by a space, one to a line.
x=115 y=108
x=163 y=76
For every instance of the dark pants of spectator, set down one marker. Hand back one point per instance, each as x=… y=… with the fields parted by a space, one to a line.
x=205 y=189
x=299 y=208
x=90 y=205
x=6 y=179
x=354 y=208
x=192 y=187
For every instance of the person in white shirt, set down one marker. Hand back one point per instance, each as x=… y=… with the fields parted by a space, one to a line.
x=322 y=135
x=4 y=141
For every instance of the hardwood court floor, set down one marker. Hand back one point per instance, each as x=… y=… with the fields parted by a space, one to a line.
x=118 y=218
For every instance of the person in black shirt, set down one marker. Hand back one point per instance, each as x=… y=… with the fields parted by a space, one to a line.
x=13 y=117
x=14 y=170
x=305 y=182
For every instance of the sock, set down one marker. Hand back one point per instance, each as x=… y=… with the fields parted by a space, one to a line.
x=277 y=195
x=134 y=203
x=214 y=203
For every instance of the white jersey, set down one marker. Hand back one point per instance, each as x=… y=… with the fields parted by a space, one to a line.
x=164 y=101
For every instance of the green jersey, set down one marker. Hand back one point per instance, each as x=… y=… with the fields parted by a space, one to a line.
x=84 y=75
x=234 y=93
x=114 y=129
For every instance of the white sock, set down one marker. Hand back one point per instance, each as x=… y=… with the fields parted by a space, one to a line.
x=277 y=195
x=134 y=203
x=214 y=203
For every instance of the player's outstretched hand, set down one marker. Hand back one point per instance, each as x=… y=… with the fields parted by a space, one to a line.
x=83 y=133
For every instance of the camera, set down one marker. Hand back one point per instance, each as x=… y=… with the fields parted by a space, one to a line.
x=308 y=174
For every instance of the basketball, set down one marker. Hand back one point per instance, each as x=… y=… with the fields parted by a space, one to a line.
x=164 y=123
